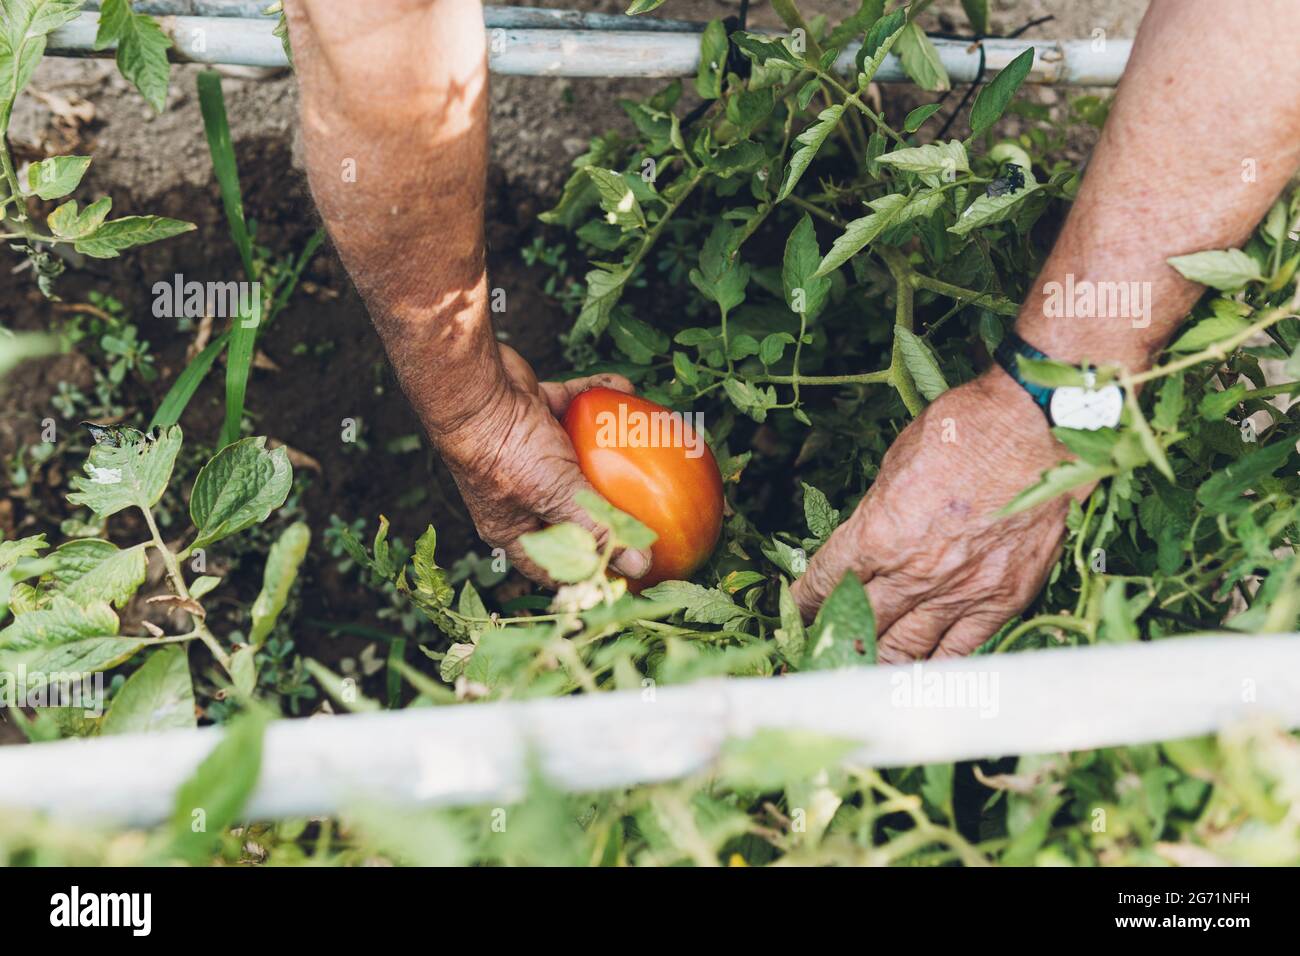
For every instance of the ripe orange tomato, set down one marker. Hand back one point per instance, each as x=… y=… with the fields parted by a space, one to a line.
x=655 y=467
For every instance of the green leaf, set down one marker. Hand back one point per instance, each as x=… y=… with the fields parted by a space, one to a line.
x=844 y=633
x=762 y=49
x=239 y=487
x=567 y=552
x=134 y=473
x=61 y=623
x=700 y=605
x=994 y=98
x=1095 y=447
x=141 y=49
x=918 y=116
x=642 y=6
x=1222 y=491
x=988 y=210
x=720 y=277
x=639 y=341
x=1222 y=325
x=790 y=637
x=818 y=513
x=810 y=141
x=1055 y=482
x=1226 y=269
x=604 y=289
x=430 y=579
x=857 y=235
x=118 y=234
x=920 y=363
x=880 y=39
x=806 y=286
x=204 y=584
x=159 y=696
x=11 y=552
x=934 y=163
x=282 y=563
x=56 y=176
x=773 y=346
x=67 y=223
x=1051 y=373
x=749 y=398
x=92 y=570
x=616 y=198
x=977 y=12
x=1217 y=404
x=209 y=802
x=626 y=530
x=920 y=60
x=713 y=61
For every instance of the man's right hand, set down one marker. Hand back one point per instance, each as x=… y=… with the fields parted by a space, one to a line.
x=516 y=468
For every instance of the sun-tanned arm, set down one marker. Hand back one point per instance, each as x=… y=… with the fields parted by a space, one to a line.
x=394 y=117
x=1209 y=86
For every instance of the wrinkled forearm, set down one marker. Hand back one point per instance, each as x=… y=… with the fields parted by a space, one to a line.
x=394 y=118
x=1203 y=135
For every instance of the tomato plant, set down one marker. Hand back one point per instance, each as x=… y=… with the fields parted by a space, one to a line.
x=807 y=272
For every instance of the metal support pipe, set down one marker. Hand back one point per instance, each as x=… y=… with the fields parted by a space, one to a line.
x=986 y=706
x=595 y=50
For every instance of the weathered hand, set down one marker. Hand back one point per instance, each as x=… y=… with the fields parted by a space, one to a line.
x=943 y=573
x=516 y=468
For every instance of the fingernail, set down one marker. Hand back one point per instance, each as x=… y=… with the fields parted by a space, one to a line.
x=632 y=564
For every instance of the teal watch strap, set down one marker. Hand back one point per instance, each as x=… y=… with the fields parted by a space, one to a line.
x=1011 y=346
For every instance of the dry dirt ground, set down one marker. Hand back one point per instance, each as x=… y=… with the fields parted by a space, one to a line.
x=330 y=365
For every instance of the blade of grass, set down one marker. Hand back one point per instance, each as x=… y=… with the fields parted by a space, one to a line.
x=187 y=383
x=243 y=331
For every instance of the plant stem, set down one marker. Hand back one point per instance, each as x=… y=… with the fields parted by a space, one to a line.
x=988 y=300
x=178 y=585
x=899 y=376
x=1216 y=352
x=862 y=378
x=1044 y=620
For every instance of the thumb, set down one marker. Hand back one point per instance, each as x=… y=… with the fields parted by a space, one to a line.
x=629 y=562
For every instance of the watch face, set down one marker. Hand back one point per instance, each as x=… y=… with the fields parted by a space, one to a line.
x=1086 y=408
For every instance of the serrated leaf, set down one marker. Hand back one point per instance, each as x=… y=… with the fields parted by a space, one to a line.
x=567 y=552
x=11 y=552
x=820 y=516
x=1226 y=269
x=805 y=284
x=810 y=141
x=920 y=60
x=430 y=579
x=627 y=531
x=844 y=632
x=989 y=210
x=920 y=363
x=61 y=623
x=159 y=696
x=133 y=474
x=994 y=98
x=1222 y=490
x=239 y=487
x=1209 y=331
x=118 y=234
x=700 y=605
x=604 y=289
x=934 y=160
x=93 y=570
x=282 y=563
x=639 y=341
x=141 y=49
x=67 y=223
x=859 y=233
x=57 y=176
x=1055 y=482
x=790 y=637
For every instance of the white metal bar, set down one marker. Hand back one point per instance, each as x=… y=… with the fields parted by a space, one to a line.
x=1034 y=702
x=612 y=53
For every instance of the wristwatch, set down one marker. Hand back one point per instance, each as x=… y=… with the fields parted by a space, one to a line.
x=1068 y=406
